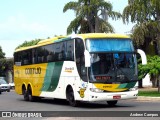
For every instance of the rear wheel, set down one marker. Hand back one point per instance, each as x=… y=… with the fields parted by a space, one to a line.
x=112 y=103
x=70 y=97
x=25 y=94
x=30 y=96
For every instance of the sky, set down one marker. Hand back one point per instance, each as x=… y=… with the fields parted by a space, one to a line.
x=25 y=20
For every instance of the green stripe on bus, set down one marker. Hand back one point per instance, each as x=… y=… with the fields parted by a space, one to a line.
x=131 y=85
x=48 y=76
x=55 y=76
x=122 y=86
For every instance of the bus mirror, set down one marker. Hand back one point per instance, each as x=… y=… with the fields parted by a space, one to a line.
x=143 y=56
x=87 y=59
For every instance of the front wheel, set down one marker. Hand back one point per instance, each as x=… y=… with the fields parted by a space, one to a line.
x=70 y=97
x=112 y=103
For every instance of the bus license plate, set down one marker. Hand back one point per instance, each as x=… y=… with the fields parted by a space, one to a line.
x=117 y=97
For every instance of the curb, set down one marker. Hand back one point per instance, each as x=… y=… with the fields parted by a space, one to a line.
x=144 y=98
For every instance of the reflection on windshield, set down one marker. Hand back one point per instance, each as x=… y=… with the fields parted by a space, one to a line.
x=101 y=63
x=111 y=67
x=3 y=81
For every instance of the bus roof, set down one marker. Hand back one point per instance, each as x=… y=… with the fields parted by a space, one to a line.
x=83 y=36
x=102 y=35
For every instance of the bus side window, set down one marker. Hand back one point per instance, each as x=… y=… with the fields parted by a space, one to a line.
x=79 y=52
x=26 y=57
x=70 y=50
x=34 y=60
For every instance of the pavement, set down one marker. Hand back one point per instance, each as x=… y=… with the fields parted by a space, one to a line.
x=144 y=98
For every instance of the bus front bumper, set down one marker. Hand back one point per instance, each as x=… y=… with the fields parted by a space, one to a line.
x=93 y=96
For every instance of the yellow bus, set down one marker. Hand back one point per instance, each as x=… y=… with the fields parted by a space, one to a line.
x=80 y=67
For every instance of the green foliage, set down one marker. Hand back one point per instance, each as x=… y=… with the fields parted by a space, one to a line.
x=2 y=54
x=91 y=16
x=2 y=62
x=146 y=32
x=5 y=64
x=2 y=67
x=152 y=67
x=146 y=13
x=29 y=43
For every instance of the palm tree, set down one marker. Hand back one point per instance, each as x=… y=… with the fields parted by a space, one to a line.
x=146 y=13
x=91 y=16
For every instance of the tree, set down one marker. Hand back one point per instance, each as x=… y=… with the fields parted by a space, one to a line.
x=152 y=67
x=29 y=43
x=146 y=13
x=2 y=54
x=91 y=16
x=2 y=62
x=2 y=66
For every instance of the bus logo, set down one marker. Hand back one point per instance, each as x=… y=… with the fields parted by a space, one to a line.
x=33 y=70
x=82 y=92
x=69 y=70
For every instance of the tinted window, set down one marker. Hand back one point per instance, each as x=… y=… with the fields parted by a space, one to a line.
x=61 y=51
x=80 y=62
x=70 y=50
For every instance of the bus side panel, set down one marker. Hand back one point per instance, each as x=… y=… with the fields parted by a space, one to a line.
x=72 y=78
x=32 y=75
x=52 y=79
x=68 y=76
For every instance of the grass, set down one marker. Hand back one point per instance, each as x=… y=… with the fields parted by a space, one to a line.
x=149 y=93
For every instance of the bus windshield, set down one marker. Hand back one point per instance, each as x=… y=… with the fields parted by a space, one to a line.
x=112 y=61
x=109 y=45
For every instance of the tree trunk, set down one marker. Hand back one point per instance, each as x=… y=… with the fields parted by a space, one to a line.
x=159 y=83
x=96 y=25
x=140 y=84
x=158 y=35
x=91 y=27
x=154 y=82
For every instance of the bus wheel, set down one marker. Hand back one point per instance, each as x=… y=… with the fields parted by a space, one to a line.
x=112 y=103
x=31 y=98
x=25 y=94
x=70 y=97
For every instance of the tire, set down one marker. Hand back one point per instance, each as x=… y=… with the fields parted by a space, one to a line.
x=25 y=94
x=112 y=103
x=71 y=98
x=8 y=90
x=31 y=97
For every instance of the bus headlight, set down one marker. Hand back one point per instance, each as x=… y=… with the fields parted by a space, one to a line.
x=133 y=89
x=96 y=90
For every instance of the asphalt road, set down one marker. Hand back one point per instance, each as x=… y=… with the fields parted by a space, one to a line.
x=10 y=101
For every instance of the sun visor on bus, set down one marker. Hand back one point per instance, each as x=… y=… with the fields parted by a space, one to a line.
x=109 y=45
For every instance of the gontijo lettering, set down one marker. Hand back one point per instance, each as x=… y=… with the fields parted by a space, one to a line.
x=33 y=70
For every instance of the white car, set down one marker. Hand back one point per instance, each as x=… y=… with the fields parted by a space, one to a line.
x=12 y=85
x=4 y=86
